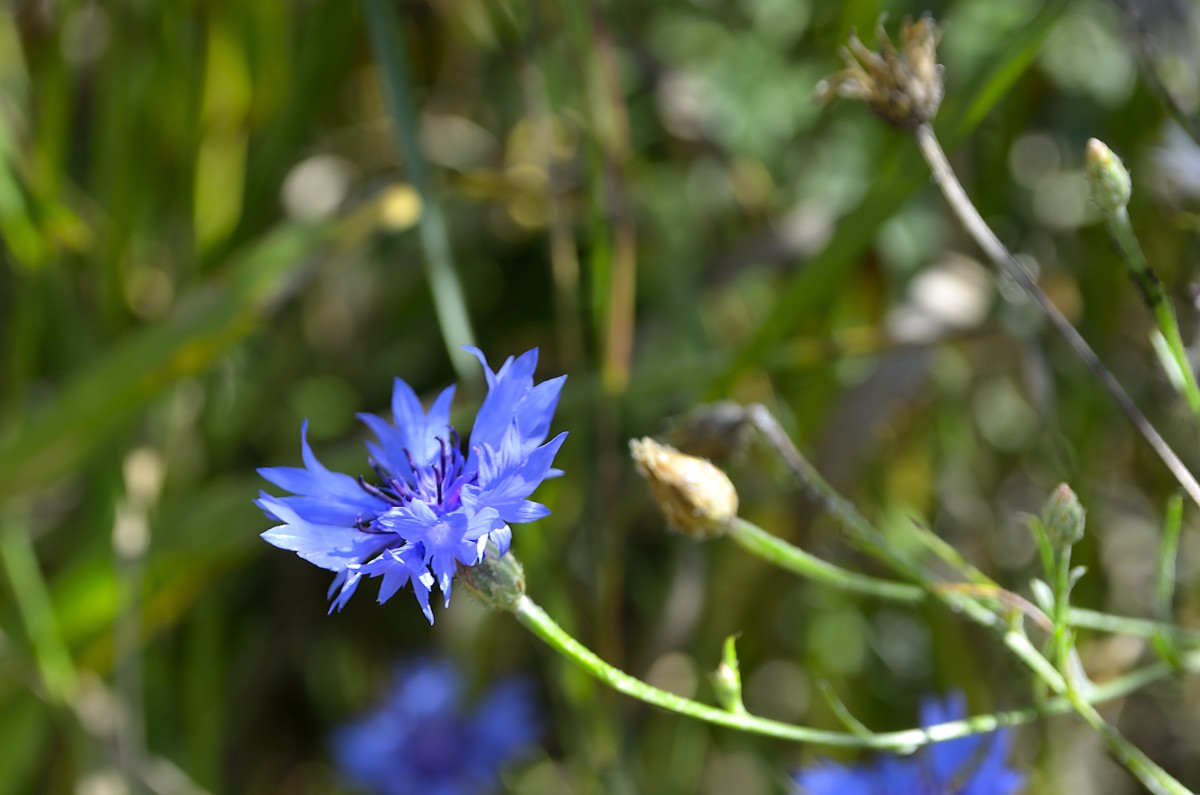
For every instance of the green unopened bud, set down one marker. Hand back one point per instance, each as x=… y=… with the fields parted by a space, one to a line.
x=694 y=495
x=497 y=582
x=1063 y=517
x=1107 y=177
x=727 y=680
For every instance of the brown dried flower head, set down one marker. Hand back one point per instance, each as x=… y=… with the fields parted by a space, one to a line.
x=905 y=87
x=694 y=495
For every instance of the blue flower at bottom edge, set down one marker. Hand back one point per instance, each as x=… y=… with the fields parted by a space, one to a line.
x=430 y=506
x=972 y=765
x=421 y=739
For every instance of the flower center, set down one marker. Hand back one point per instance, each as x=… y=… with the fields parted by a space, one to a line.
x=437 y=483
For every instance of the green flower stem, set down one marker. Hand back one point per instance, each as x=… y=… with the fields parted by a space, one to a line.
x=1146 y=770
x=1167 y=554
x=1062 y=606
x=1122 y=233
x=1083 y=618
x=449 y=304
x=986 y=239
x=533 y=618
x=775 y=550
x=1150 y=774
x=846 y=514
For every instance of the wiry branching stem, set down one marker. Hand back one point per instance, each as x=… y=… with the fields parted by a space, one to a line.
x=991 y=245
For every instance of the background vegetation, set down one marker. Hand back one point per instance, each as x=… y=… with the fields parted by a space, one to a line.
x=209 y=235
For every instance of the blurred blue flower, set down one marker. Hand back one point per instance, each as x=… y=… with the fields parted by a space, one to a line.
x=972 y=765
x=429 y=506
x=423 y=740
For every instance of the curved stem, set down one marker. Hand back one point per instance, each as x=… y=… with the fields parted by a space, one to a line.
x=1156 y=298
x=973 y=222
x=536 y=620
x=787 y=556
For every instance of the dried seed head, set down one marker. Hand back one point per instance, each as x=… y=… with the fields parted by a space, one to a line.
x=694 y=495
x=905 y=87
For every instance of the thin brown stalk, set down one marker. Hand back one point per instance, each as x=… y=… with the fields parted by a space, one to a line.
x=978 y=229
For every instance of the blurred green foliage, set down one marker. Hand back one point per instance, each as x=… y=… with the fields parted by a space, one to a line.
x=208 y=236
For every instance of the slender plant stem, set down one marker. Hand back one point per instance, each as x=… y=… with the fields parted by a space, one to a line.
x=1063 y=641
x=971 y=220
x=390 y=52
x=1167 y=554
x=775 y=550
x=1152 y=290
x=1146 y=770
x=844 y=511
x=1146 y=42
x=536 y=620
x=1123 y=625
x=1150 y=774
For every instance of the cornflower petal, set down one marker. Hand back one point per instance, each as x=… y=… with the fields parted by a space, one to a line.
x=511 y=395
x=972 y=765
x=331 y=547
x=424 y=738
x=322 y=496
x=506 y=481
x=535 y=411
x=429 y=506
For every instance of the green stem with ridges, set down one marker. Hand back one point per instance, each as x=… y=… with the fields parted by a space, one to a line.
x=533 y=618
x=986 y=239
x=1121 y=229
x=775 y=550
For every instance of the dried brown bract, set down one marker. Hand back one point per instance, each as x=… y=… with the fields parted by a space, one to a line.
x=903 y=87
x=694 y=495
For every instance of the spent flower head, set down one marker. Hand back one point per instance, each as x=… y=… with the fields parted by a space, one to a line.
x=429 y=506
x=422 y=738
x=903 y=87
x=974 y=765
x=695 y=496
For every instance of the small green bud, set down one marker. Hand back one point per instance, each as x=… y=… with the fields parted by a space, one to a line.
x=695 y=496
x=1107 y=177
x=496 y=582
x=1063 y=517
x=727 y=680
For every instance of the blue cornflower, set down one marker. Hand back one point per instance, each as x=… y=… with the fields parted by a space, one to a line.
x=421 y=739
x=972 y=765
x=430 y=506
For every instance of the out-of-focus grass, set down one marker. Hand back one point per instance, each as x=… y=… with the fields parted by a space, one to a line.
x=208 y=236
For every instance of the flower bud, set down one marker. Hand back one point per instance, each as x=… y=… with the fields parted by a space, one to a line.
x=496 y=582
x=1107 y=177
x=694 y=495
x=1063 y=517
